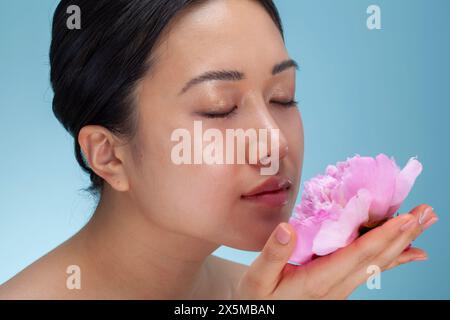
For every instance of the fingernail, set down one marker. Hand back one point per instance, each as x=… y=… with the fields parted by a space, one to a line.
x=424 y=215
x=408 y=225
x=283 y=236
x=430 y=223
x=421 y=258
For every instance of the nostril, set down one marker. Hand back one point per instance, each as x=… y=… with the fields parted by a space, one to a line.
x=265 y=160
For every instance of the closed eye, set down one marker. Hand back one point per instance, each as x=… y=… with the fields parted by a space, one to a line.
x=218 y=114
x=212 y=115
x=290 y=103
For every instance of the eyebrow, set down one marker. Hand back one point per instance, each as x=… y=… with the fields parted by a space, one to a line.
x=234 y=75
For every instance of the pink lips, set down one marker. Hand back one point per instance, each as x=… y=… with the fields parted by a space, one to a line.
x=272 y=192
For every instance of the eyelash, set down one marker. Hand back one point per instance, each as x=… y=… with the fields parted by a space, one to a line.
x=233 y=111
x=213 y=115
x=286 y=104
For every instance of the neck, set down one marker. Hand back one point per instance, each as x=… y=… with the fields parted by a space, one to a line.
x=138 y=258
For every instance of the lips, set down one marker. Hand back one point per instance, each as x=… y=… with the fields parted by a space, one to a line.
x=272 y=192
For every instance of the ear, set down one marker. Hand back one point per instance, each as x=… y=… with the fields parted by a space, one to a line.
x=101 y=150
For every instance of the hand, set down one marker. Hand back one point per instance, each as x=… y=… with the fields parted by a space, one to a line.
x=338 y=274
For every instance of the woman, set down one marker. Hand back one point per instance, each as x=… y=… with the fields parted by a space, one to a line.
x=135 y=72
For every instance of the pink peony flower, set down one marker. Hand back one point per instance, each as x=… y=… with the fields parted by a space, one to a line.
x=359 y=192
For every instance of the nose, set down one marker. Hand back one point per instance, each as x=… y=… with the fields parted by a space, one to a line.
x=271 y=144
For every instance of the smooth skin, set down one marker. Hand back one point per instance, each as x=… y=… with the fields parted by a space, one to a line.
x=157 y=223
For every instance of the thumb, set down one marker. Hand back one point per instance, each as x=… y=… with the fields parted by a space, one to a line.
x=265 y=272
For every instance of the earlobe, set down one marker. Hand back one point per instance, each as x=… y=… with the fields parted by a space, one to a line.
x=98 y=146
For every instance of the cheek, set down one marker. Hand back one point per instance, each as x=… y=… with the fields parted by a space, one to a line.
x=204 y=198
x=191 y=199
x=295 y=139
x=296 y=124
x=207 y=189
x=291 y=126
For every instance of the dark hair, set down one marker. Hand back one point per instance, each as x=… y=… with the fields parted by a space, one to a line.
x=95 y=69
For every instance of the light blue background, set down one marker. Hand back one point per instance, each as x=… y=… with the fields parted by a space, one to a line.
x=360 y=91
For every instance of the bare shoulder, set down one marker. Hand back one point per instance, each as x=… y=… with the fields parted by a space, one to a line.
x=45 y=278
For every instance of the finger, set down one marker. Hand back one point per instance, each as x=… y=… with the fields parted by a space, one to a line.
x=409 y=230
x=412 y=254
x=421 y=215
x=264 y=273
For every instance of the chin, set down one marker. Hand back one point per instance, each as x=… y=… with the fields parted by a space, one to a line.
x=253 y=233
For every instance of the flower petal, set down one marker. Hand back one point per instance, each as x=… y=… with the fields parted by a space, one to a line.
x=334 y=234
x=306 y=230
x=377 y=175
x=405 y=180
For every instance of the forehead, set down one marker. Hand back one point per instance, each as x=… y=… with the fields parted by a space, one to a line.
x=219 y=34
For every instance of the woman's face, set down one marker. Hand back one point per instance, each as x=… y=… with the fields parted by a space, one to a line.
x=204 y=200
